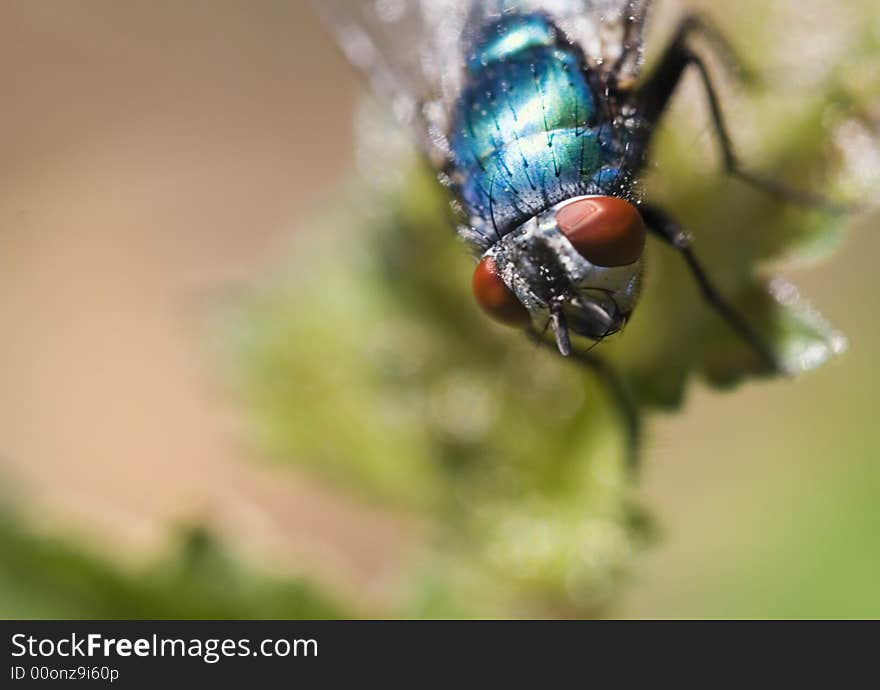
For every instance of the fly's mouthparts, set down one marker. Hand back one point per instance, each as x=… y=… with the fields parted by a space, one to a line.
x=560 y=332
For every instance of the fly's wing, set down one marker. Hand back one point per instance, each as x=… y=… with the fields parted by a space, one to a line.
x=411 y=52
x=608 y=31
x=415 y=51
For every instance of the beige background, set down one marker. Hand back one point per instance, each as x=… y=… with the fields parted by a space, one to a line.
x=152 y=155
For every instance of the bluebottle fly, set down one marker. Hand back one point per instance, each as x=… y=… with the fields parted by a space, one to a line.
x=536 y=117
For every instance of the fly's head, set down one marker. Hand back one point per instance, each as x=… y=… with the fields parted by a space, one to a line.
x=575 y=267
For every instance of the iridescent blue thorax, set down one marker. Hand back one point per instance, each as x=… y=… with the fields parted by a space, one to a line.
x=527 y=132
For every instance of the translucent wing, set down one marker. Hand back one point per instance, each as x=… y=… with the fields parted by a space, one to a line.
x=414 y=51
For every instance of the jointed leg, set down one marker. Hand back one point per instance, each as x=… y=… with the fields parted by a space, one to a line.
x=653 y=98
x=618 y=390
x=664 y=227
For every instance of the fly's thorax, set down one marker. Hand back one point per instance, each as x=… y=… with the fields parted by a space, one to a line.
x=529 y=128
x=547 y=274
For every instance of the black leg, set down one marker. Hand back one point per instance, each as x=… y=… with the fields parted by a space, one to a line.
x=667 y=229
x=654 y=95
x=617 y=389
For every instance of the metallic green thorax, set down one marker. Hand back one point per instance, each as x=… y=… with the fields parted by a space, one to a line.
x=525 y=133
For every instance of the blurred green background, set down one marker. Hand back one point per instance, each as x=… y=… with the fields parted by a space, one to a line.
x=229 y=393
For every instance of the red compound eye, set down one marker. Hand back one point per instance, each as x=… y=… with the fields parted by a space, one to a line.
x=605 y=230
x=495 y=298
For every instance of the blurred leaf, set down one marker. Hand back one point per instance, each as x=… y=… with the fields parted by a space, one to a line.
x=50 y=577
x=367 y=360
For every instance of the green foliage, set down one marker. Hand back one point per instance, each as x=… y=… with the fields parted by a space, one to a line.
x=367 y=361
x=42 y=576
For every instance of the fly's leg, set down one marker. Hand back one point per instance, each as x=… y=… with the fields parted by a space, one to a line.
x=617 y=388
x=622 y=398
x=654 y=95
x=667 y=229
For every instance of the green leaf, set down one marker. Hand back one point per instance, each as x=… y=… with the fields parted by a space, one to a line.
x=45 y=576
x=366 y=360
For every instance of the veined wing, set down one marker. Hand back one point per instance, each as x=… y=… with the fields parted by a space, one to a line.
x=415 y=51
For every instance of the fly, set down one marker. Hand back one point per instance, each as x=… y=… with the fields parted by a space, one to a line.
x=536 y=117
